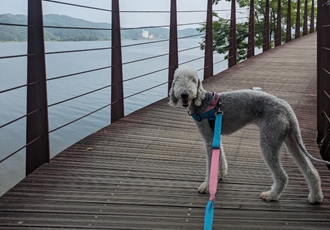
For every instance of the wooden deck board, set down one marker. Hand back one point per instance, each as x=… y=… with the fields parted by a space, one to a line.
x=143 y=171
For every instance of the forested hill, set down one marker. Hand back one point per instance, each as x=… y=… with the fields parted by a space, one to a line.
x=18 y=33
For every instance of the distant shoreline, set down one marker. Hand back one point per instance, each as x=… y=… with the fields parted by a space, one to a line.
x=19 y=34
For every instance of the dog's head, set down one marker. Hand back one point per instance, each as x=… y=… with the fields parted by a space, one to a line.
x=186 y=87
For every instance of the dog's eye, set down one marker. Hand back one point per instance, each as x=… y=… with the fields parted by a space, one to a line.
x=193 y=80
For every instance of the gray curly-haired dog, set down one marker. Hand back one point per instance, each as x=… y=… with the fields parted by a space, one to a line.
x=275 y=118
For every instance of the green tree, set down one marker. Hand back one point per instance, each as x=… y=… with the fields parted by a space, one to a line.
x=221 y=26
x=221 y=37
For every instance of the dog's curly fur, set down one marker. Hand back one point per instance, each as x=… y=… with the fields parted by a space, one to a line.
x=275 y=118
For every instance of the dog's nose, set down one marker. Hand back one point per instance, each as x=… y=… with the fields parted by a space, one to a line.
x=184 y=96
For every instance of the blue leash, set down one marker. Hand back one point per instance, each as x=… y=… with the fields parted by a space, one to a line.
x=209 y=210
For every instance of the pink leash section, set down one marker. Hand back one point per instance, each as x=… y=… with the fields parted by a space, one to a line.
x=213 y=183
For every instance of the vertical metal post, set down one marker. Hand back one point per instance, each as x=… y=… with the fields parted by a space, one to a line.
x=37 y=129
x=173 y=61
x=305 y=18
x=288 y=23
x=266 y=28
x=297 y=34
x=312 y=18
x=232 y=40
x=323 y=18
x=325 y=78
x=278 y=31
x=208 y=55
x=250 y=51
x=117 y=91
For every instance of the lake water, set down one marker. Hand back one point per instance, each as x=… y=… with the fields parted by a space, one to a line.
x=13 y=103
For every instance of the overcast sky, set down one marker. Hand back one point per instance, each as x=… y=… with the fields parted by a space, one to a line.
x=127 y=19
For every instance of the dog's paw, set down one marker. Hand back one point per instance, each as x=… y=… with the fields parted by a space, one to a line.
x=222 y=174
x=203 y=188
x=269 y=196
x=315 y=199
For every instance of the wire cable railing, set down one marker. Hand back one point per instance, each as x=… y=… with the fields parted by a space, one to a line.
x=145 y=74
x=153 y=87
x=75 y=28
x=79 y=118
x=16 y=87
x=80 y=50
x=13 y=24
x=77 y=5
x=78 y=73
x=17 y=119
x=16 y=56
x=78 y=96
x=20 y=149
x=145 y=43
x=145 y=59
x=144 y=27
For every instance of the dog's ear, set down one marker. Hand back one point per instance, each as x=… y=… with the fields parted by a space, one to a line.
x=173 y=100
x=200 y=94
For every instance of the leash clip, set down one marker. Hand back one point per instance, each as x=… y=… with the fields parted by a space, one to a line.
x=219 y=111
x=219 y=107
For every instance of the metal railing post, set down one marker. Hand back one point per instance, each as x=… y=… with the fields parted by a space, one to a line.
x=325 y=76
x=208 y=55
x=117 y=91
x=173 y=61
x=250 y=51
x=37 y=128
x=288 y=23
x=305 y=31
x=323 y=83
x=232 y=59
x=297 y=34
x=266 y=40
x=278 y=31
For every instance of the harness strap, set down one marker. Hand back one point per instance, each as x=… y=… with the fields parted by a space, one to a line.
x=209 y=112
x=206 y=115
x=214 y=101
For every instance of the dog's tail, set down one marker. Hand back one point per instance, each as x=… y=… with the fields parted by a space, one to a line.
x=307 y=154
x=297 y=136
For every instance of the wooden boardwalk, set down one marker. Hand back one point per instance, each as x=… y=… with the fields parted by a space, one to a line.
x=143 y=171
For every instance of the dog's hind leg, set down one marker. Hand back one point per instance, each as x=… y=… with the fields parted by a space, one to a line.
x=270 y=144
x=307 y=169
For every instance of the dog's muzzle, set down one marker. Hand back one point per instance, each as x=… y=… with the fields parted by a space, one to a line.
x=185 y=101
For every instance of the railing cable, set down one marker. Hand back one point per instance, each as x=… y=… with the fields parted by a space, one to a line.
x=10 y=155
x=77 y=5
x=62 y=126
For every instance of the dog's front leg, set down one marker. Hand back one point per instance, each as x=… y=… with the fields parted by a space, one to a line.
x=207 y=135
x=204 y=187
